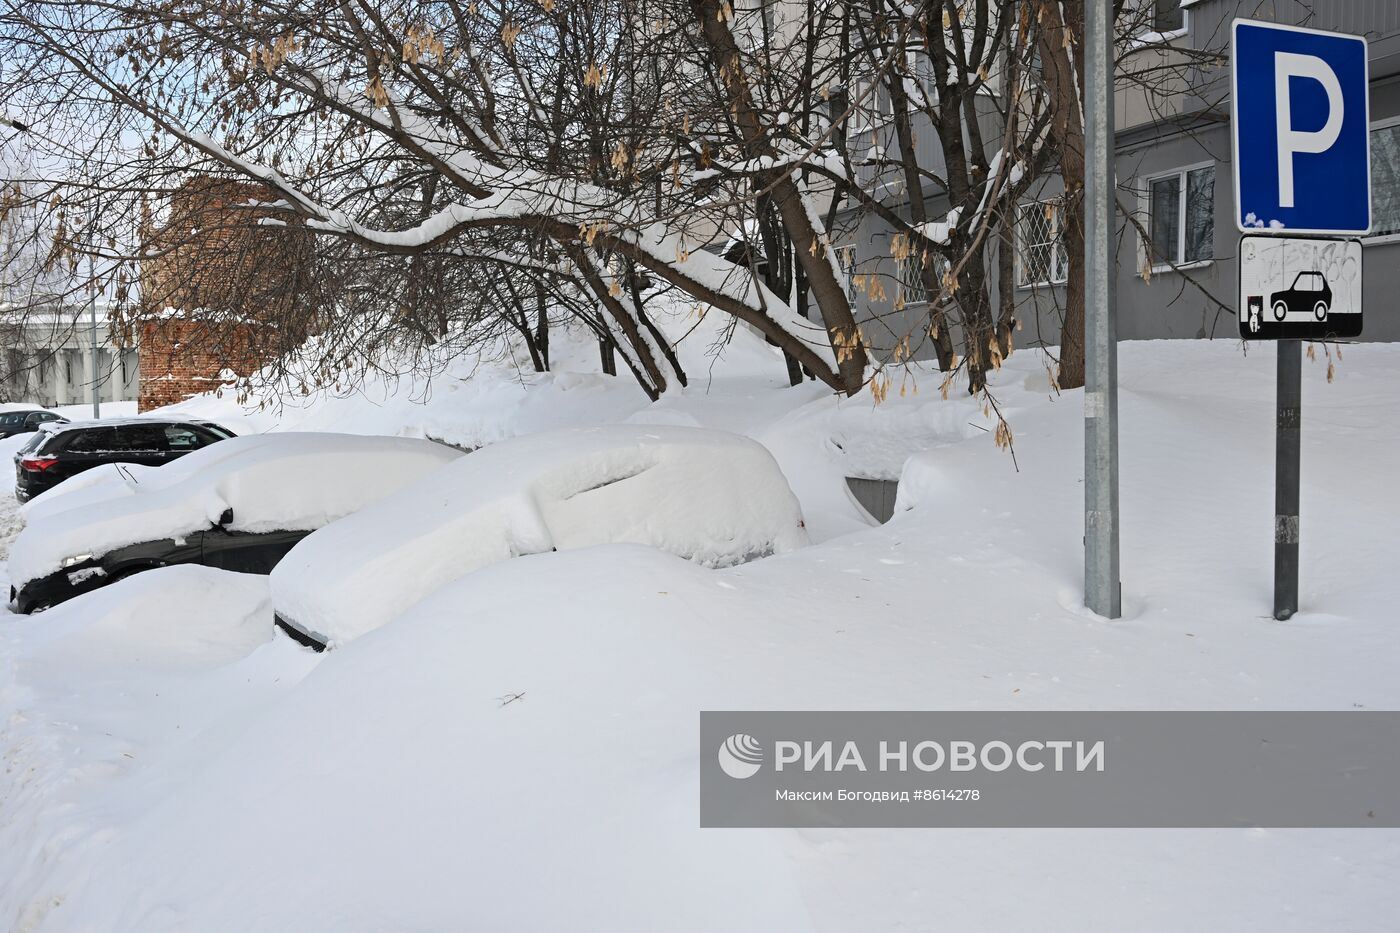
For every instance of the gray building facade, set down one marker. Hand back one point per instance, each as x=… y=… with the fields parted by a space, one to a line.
x=1177 y=239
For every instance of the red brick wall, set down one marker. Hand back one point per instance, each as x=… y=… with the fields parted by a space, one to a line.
x=220 y=293
x=180 y=358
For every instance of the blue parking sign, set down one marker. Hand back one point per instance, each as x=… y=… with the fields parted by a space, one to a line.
x=1301 y=107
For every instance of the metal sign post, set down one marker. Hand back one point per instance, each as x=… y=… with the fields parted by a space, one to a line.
x=1302 y=165
x=1287 y=472
x=1102 y=591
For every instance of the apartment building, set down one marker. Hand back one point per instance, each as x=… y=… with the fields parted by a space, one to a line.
x=1177 y=239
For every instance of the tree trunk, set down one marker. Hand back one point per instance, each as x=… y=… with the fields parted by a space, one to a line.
x=658 y=338
x=542 y=324
x=648 y=372
x=1071 y=374
x=814 y=255
x=976 y=304
x=1006 y=286
x=1062 y=58
x=939 y=331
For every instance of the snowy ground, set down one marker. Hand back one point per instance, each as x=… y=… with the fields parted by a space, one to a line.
x=171 y=765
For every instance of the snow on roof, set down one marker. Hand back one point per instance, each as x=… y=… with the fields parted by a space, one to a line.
x=11 y=408
x=58 y=427
x=271 y=482
x=709 y=496
x=117 y=480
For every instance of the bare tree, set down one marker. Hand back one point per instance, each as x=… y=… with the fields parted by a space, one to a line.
x=474 y=169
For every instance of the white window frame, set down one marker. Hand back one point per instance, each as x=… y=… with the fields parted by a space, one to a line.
x=1152 y=37
x=846 y=260
x=1058 y=277
x=876 y=100
x=1148 y=257
x=1381 y=239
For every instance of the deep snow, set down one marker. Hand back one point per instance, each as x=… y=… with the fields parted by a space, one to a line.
x=519 y=750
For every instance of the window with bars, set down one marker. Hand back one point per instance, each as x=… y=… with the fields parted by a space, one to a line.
x=846 y=259
x=1385 y=180
x=910 y=273
x=1181 y=216
x=1040 y=249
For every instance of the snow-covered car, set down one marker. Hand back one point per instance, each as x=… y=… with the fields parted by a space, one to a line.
x=240 y=504
x=714 y=498
x=61 y=450
x=118 y=479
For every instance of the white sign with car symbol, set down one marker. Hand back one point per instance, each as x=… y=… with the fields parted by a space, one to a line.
x=1299 y=288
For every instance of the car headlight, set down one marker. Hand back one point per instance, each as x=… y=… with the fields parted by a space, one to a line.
x=76 y=559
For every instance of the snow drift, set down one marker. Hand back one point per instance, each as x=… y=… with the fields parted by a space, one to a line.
x=289 y=482
x=713 y=498
x=145 y=622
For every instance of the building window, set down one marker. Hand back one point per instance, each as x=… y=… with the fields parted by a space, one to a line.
x=846 y=259
x=1157 y=20
x=911 y=279
x=1167 y=16
x=1385 y=180
x=920 y=68
x=910 y=275
x=1040 y=253
x=1181 y=217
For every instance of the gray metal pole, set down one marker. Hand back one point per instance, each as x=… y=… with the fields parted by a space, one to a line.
x=1287 y=466
x=1102 y=589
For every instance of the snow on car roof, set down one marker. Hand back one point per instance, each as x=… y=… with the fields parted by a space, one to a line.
x=709 y=496
x=115 y=480
x=60 y=427
x=284 y=481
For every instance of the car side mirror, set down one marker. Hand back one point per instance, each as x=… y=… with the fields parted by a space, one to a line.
x=226 y=518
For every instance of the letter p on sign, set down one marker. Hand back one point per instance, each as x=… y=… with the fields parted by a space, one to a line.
x=1289 y=65
x=1301 y=130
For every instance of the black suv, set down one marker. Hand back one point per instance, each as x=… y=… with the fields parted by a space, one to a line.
x=25 y=420
x=59 y=451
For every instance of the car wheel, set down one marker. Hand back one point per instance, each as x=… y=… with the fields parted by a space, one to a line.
x=1320 y=310
x=1280 y=310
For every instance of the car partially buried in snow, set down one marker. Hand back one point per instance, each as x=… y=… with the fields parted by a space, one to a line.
x=60 y=450
x=715 y=498
x=240 y=505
